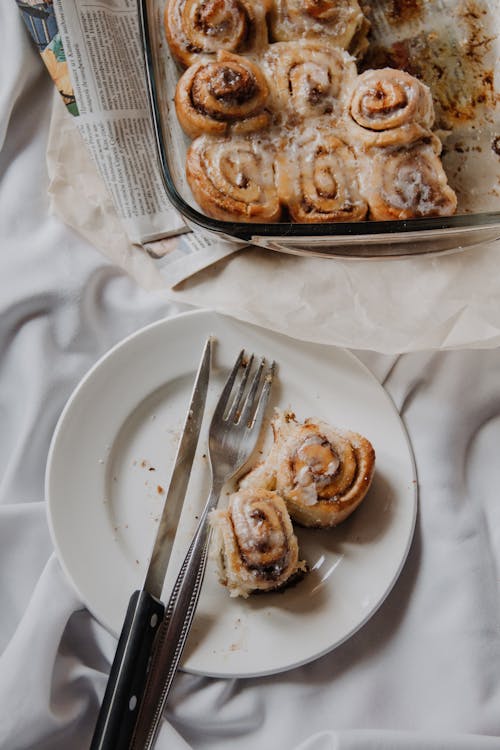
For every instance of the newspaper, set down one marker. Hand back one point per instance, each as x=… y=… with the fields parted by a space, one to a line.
x=72 y=172
x=104 y=56
x=92 y=50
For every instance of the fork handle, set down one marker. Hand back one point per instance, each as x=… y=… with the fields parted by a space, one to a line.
x=173 y=632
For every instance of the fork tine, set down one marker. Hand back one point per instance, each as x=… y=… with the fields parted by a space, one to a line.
x=236 y=401
x=249 y=405
x=228 y=387
x=263 y=399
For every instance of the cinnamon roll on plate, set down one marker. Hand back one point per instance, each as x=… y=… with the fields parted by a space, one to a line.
x=317 y=178
x=203 y=27
x=256 y=547
x=323 y=473
x=216 y=96
x=339 y=22
x=233 y=179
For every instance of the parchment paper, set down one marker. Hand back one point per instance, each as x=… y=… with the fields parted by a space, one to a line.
x=444 y=302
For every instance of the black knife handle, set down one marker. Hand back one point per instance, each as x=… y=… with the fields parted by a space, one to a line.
x=127 y=678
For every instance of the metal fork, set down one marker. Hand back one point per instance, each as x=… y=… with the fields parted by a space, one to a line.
x=233 y=434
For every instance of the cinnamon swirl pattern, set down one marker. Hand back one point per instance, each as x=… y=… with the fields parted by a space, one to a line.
x=203 y=27
x=408 y=181
x=402 y=175
x=389 y=106
x=256 y=546
x=228 y=93
x=322 y=473
x=340 y=22
x=317 y=179
x=307 y=79
x=234 y=178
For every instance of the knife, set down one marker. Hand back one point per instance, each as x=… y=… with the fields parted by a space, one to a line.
x=127 y=679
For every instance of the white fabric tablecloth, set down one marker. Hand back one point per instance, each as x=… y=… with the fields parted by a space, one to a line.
x=424 y=672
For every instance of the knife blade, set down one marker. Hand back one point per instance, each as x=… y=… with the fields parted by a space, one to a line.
x=127 y=678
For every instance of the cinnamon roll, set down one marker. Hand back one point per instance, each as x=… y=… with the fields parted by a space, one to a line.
x=202 y=27
x=307 y=79
x=257 y=548
x=322 y=473
x=233 y=178
x=408 y=181
x=338 y=22
x=216 y=96
x=389 y=106
x=317 y=178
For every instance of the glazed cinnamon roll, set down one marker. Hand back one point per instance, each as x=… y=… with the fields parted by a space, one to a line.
x=202 y=27
x=339 y=22
x=404 y=182
x=322 y=473
x=223 y=94
x=317 y=179
x=389 y=106
x=256 y=546
x=233 y=178
x=307 y=79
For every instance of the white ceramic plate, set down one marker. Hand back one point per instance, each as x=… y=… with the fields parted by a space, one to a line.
x=109 y=465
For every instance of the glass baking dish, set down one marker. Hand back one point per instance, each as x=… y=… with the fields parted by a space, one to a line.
x=460 y=62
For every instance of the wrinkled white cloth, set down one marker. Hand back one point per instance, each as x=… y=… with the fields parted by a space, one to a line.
x=422 y=674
